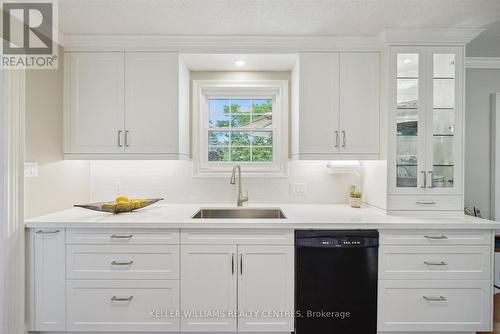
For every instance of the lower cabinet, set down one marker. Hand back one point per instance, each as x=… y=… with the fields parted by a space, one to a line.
x=208 y=289
x=119 y=305
x=437 y=306
x=266 y=288
x=247 y=288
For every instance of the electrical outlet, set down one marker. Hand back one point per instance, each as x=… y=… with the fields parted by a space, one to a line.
x=298 y=189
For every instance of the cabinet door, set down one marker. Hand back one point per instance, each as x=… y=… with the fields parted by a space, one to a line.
x=359 y=103
x=208 y=276
x=50 y=280
x=444 y=120
x=266 y=286
x=318 y=103
x=407 y=126
x=151 y=102
x=96 y=102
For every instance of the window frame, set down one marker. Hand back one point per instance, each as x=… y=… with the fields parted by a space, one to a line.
x=277 y=90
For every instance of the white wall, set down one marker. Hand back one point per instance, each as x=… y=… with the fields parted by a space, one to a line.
x=59 y=184
x=480 y=84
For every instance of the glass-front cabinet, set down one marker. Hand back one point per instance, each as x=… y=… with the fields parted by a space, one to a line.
x=426 y=120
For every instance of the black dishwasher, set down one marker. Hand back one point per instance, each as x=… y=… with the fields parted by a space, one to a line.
x=336 y=281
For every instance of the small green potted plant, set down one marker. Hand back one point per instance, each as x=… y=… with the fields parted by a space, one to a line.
x=355 y=198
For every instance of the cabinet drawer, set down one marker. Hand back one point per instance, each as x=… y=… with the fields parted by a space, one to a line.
x=122 y=237
x=436 y=237
x=425 y=203
x=440 y=306
x=237 y=236
x=136 y=306
x=122 y=262
x=435 y=262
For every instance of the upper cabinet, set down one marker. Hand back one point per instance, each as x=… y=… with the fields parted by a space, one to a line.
x=335 y=113
x=425 y=124
x=126 y=105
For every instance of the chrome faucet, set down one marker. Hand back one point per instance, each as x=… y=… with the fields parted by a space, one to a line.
x=241 y=198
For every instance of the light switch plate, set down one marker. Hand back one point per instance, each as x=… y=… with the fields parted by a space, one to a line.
x=30 y=169
x=298 y=189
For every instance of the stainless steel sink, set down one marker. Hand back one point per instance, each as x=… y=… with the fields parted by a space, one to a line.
x=240 y=213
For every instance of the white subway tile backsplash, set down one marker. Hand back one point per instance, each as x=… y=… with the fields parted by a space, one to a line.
x=174 y=181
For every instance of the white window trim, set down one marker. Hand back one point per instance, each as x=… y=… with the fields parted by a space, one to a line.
x=277 y=89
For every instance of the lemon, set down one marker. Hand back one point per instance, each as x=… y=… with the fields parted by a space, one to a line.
x=121 y=199
x=123 y=206
x=135 y=203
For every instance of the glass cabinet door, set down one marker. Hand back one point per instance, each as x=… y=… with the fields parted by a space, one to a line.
x=443 y=120
x=407 y=118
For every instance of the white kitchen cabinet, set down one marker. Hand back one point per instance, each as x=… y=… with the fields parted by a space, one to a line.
x=126 y=105
x=359 y=103
x=266 y=285
x=123 y=306
x=425 y=155
x=96 y=100
x=49 y=277
x=209 y=281
x=338 y=106
x=318 y=112
x=151 y=102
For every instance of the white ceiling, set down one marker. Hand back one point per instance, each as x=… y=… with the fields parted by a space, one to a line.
x=273 y=17
x=226 y=62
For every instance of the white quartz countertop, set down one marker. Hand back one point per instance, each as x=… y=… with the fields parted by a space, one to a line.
x=298 y=216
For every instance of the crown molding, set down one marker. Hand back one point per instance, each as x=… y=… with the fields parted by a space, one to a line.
x=428 y=36
x=482 y=62
x=223 y=44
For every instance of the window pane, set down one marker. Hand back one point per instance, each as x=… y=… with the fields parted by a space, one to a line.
x=407 y=94
x=444 y=65
x=240 y=139
x=218 y=138
x=218 y=154
x=218 y=121
x=262 y=138
x=240 y=106
x=444 y=93
x=262 y=106
x=262 y=154
x=408 y=65
x=262 y=121
x=218 y=106
x=239 y=121
x=240 y=153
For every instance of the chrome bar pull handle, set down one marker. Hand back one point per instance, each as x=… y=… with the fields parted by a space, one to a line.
x=435 y=299
x=440 y=263
x=122 y=263
x=425 y=180
x=343 y=138
x=117 y=236
x=47 y=232
x=336 y=139
x=126 y=138
x=232 y=263
x=425 y=202
x=433 y=237
x=120 y=138
x=121 y=299
x=241 y=264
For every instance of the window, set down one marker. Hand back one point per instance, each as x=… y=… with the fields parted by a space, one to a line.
x=240 y=123
x=240 y=130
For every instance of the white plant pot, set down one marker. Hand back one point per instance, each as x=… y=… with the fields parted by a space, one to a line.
x=355 y=202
